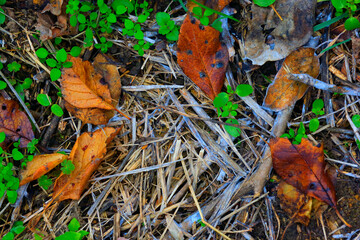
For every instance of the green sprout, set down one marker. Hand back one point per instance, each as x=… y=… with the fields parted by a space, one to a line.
x=167 y=26
x=226 y=108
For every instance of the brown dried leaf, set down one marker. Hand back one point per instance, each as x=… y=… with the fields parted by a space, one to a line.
x=108 y=77
x=86 y=155
x=201 y=56
x=82 y=87
x=284 y=92
x=40 y=165
x=268 y=38
x=14 y=123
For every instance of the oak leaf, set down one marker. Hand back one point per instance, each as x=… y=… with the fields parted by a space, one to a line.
x=303 y=167
x=284 y=92
x=201 y=56
x=106 y=75
x=40 y=165
x=86 y=155
x=14 y=123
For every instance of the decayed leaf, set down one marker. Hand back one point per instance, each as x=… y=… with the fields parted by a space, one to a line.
x=40 y=165
x=201 y=56
x=14 y=123
x=268 y=38
x=284 y=92
x=296 y=204
x=86 y=155
x=107 y=76
x=303 y=167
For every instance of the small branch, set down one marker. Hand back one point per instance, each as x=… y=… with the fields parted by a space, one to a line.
x=308 y=80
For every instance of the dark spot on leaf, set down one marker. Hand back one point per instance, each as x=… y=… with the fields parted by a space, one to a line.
x=218 y=55
x=202 y=75
x=212 y=65
x=18 y=130
x=189 y=52
x=201 y=27
x=193 y=20
x=3 y=107
x=84 y=148
x=290 y=175
x=312 y=186
x=206 y=42
x=219 y=65
x=93 y=156
x=102 y=81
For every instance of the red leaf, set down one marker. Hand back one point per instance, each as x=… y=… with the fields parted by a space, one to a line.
x=303 y=167
x=201 y=56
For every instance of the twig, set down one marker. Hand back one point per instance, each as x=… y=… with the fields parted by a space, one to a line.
x=307 y=79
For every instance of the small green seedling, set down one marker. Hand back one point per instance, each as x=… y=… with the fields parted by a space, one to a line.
x=8 y=182
x=296 y=138
x=73 y=232
x=45 y=182
x=67 y=167
x=349 y=6
x=356 y=120
x=14 y=67
x=16 y=229
x=317 y=109
x=167 y=26
x=55 y=64
x=226 y=108
x=104 y=45
x=2 y=16
x=45 y=101
x=203 y=16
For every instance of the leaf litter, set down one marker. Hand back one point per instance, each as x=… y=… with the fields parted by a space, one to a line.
x=172 y=171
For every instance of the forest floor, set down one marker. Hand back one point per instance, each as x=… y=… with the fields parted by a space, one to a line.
x=172 y=170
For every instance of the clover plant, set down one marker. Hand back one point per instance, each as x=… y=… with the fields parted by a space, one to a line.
x=74 y=232
x=226 y=108
x=167 y=26
x=2 y=16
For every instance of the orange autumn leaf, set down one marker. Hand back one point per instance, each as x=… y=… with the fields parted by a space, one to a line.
x=303 y=167
x=284 y=92
x=40 y=165
x=110 y=77
x=86 y=155
x=94 y=116
x=82 y=87
x=201 y=56
x=14 y=123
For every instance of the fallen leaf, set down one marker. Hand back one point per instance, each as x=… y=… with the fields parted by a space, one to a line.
x=14 y=123
x=268 y=38
x=284 y=92
x=40 y=165
x=296 y=204
x=303 y=167
x=108 y=77
x=94 y=116
x=201 y=56
x=86 y=155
